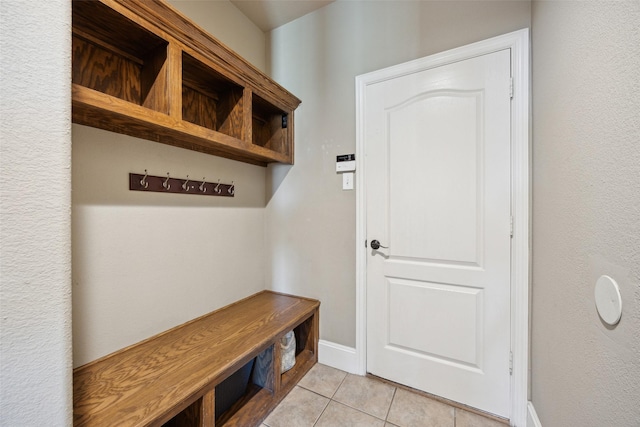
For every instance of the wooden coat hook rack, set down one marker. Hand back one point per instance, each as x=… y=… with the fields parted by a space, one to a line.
x=166 y=184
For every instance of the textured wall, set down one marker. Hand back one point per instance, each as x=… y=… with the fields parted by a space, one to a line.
x=586 y=211
x=310 y=220
x=35 y=261
x=145 y=262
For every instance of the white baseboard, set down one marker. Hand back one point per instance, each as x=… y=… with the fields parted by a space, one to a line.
x=337 y=356
x=532 y=416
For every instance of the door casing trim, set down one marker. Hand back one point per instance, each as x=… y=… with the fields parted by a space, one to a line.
x=518 y=42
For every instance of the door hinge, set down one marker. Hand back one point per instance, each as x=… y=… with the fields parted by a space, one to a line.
x=511 y=226
x=511 y=88
x=511 y=363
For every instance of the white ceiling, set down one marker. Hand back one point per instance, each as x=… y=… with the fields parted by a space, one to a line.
x=270 y=14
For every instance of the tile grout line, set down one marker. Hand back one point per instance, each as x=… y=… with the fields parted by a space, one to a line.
x=314 y=392
x=360 y=409
x=346 y=404
x=386 y=418
x=330 y=399
x=323 y=411
x=458 y=406
x=319 y=394
x=339 y=385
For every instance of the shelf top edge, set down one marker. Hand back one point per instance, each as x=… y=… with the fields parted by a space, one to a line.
x=176 y=24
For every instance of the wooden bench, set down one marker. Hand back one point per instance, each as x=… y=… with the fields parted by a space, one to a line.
x=170 y=379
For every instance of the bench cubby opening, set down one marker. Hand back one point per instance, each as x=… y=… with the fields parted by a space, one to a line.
x=305 y=352
x=189 y=417
x=207 y=375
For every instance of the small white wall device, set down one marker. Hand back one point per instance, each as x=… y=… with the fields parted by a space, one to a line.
x=346 y=165
x=608 y=300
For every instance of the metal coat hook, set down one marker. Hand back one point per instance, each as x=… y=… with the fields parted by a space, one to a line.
x=143 y=181
x=167 y=184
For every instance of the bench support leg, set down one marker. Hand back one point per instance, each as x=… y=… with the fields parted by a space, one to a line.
x=208 y=409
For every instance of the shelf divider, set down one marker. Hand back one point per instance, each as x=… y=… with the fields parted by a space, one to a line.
x=147 y=60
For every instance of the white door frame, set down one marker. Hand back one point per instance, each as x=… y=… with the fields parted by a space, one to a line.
x=518 y=42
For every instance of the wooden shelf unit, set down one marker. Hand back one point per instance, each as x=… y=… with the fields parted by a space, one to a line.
x=170 y=380
x=143 y=69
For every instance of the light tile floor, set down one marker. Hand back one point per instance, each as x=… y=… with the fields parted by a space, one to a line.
x=327 y=397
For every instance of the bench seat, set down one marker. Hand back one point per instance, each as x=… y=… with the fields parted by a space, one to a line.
x=171 y=377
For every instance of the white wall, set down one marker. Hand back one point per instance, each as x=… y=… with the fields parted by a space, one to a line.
x=35 y=260
x=310 y=220
x=586 y=211
x=145 y=262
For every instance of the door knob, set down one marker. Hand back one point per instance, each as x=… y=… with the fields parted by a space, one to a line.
x=375 y=245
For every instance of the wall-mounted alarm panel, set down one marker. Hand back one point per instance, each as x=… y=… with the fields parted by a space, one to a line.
x=346 y=163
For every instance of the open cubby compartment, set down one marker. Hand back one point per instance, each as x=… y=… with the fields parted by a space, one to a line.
x=189 y=417
x=116 y=56
x=269 y=126
x=305 y=348
x=305 y=338
x=232 y=394
x=210 y=99
x=249 y=386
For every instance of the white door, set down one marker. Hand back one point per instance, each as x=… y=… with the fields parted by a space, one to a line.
x=437 y=170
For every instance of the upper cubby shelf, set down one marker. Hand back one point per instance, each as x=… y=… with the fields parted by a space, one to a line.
x=143 y=69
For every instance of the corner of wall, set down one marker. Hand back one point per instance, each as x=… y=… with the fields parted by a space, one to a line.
x=228 y=24
x=532 y=416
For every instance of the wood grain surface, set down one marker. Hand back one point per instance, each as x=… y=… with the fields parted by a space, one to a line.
x=149 y=55
x=150 y=382
x=93 y=108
